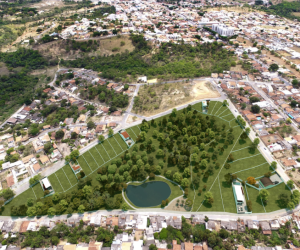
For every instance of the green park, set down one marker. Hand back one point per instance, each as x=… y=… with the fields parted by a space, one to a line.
x=198 y=152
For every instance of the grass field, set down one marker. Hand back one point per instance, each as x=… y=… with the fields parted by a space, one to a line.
x=246 y=163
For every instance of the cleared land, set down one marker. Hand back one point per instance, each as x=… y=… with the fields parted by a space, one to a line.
x=157 y=98
x=58 y=48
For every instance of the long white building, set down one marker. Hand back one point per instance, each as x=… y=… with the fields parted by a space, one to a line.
x=223 y=30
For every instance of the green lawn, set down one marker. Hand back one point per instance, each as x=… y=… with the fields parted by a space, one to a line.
x=98 y=157
x=101 y=150
x=56 y=185
x=63 y=179
x=257 y=206
x=19 y=200
x=38 y=190
x=71 y=176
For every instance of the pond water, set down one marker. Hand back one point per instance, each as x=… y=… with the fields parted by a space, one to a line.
x=148 y=194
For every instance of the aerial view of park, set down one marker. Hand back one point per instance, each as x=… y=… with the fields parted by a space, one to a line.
x=197 y=159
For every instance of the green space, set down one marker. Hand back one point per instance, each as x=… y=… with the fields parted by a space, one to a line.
x=187 y=147
x=38 y=190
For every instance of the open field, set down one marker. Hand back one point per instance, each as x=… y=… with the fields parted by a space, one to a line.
x=157 y=98
x=58 y=48
x=246 y=163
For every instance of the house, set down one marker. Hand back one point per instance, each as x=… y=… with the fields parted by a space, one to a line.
x=188 y=246
x=100 y=128
x=46 y=127
x=36 y=168
x=81 y=119
x=265 y=226
x=274 y=225
x=69 y=121
x=12 y=121
x=24 y=226
x=251 y=224
x=28 y=158
x=175 y=245
x=117 y=113
x=111 y=125
x=112 y=221
x=44 y=159
x=10 y=180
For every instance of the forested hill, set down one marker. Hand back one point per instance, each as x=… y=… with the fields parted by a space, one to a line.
x=18 y=87
x=170 y=61
x=284 y=9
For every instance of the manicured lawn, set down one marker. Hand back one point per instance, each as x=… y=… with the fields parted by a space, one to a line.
x=228 y=118
x=71 y=176
x=63 y=179
x=220 y=110
x=98 y=157
x=131 y=133
x=225 y=113
x=120 y=142
x=56 y=185
x=38 y=190
x=257 y=206
x=273 y=202
x=108 y=148
x=217 y=204
x=84 y=165
x=100 y=148
x=19 y=200
x=91 y=161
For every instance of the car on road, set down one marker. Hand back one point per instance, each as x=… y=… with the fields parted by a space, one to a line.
x=235 y=111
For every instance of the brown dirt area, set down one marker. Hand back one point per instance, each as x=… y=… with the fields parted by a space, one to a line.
x=132 y=119
x=64 y=149
x=173 y=205
x=3 y=69
x=138 y=235
x=270 y=139
x=172 y=95
x=280 y=61
x=235 y=9
x=295 y=176
x=58 y=48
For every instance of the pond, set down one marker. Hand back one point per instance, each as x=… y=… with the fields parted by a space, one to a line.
x=148 y=194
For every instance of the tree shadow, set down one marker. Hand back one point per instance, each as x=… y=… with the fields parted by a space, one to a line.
x=241 y=141
x=207 y=205
x=225 y=184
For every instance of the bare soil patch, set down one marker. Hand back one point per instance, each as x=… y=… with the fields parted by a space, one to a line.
x=132 y=119
x=64 y=149
x=3 y=69
x=174 y=206
x=161 y=97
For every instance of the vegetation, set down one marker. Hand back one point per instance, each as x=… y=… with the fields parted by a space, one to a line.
x=176 y=57
x=284 y=9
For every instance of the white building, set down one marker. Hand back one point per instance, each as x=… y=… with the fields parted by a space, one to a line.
x=223 y=30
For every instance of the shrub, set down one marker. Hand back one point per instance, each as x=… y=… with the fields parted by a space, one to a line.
x=249 y=205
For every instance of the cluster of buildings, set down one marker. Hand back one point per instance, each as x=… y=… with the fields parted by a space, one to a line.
x=142 y=229
x=26 y=166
